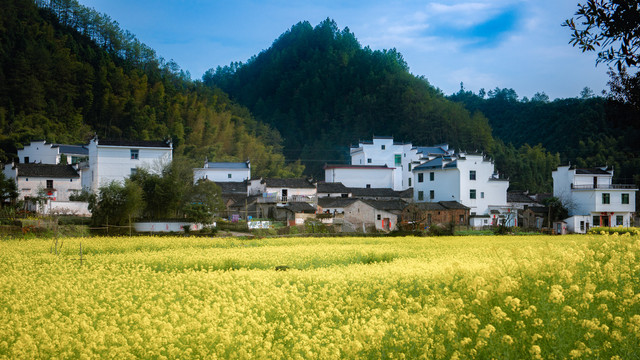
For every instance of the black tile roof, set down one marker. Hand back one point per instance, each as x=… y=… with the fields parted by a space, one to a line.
x=386 y=205
x=518 y=197
x=47 y=170
x=135 y=143
x=233 y=187
x=332 y=187
x=592 y=171
x=453 y=205
x=328 y=202
x=300 y=207
x=297 y=183
x=374 y=192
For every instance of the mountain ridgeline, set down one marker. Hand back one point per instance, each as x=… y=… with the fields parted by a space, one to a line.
x=67 y=72
x=323 y=91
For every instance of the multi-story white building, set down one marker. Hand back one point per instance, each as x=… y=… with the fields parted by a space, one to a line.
x=45 y=153
x=470 y=179
x=115 y=160
x=223 y=171
x=592 y=199
x=365 y=176
x=383 y=163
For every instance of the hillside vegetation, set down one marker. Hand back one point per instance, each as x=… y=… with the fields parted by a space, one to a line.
x=67 y=72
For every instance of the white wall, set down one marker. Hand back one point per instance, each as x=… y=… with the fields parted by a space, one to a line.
x=114 y=163
x=78 y=208
x=39 y=152
x=221 y=175
x=386 y=156
x=29 y=186
x=360 y=177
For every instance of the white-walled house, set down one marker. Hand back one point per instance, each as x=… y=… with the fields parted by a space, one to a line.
x=592 y=199
x=366 y=176
x=46 y=153
x=115 y=160
x=58 y=182
x=223 y=171
x=470 y=179
x=383 y=152
x=283 y=190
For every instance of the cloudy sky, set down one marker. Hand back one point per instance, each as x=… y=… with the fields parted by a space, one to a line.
x=515 y=44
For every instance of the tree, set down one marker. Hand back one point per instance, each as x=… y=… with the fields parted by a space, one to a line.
x=557 y=210
x=8 y=190
x=205 y=202
x=116 y=204
x=612 y=26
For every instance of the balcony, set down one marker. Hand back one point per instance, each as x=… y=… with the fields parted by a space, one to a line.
x=605 y=187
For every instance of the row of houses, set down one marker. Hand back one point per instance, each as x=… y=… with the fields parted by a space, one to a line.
x=386 y=184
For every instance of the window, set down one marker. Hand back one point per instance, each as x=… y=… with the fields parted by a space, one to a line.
x=134 y=171
x=420 y=195
x=429 y=219
x=606 y=198
x=398 y=159
x=135 y=153
x=625 y=198
x=368 y=186
x=432 y=176
x=409 y=166
x=409 y=182
x=382 y=147
x=49 y=184
x=472 y=175
x=378 y=217
x=432 y=194
x=482 y=195
x=461 y=219
x=26 y=159
x=228 y=176
x=581 y=225
x=420 y=177
x=619 y=219
x=369 y=161
x=472 y=194
x=596 y=221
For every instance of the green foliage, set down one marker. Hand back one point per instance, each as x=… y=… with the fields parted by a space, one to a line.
x=614 y=230
x=170 y=193
x=557 y=209
x=8 y=191
x=587 y=132
x=116 y=204
x=613 y=26
x=323 y=91
x=67 y=72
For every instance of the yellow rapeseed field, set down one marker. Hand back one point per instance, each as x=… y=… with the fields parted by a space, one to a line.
x=517 y=297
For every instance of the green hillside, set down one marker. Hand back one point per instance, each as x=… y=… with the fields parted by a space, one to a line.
x=68 y=72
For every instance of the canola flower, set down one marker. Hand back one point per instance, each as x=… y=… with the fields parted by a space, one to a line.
x=536 y=297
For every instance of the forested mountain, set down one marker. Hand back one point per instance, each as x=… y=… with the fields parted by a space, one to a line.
x=586 y=131
x=323 y=91
x=67 y=72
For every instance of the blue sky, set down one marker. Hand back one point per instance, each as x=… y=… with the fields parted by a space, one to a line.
x=515 y=44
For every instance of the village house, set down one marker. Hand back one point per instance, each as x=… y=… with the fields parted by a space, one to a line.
x=419 y=216
x=332 y=189
x=592 y=199
x=54 y=184
x=381 y=215
x=116 y=160
x=469 y=179
x=530 y=212
x=223 y=171
x=383 y=163
x=46 y=153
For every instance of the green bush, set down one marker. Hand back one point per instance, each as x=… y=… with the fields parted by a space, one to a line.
x=614 y=230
